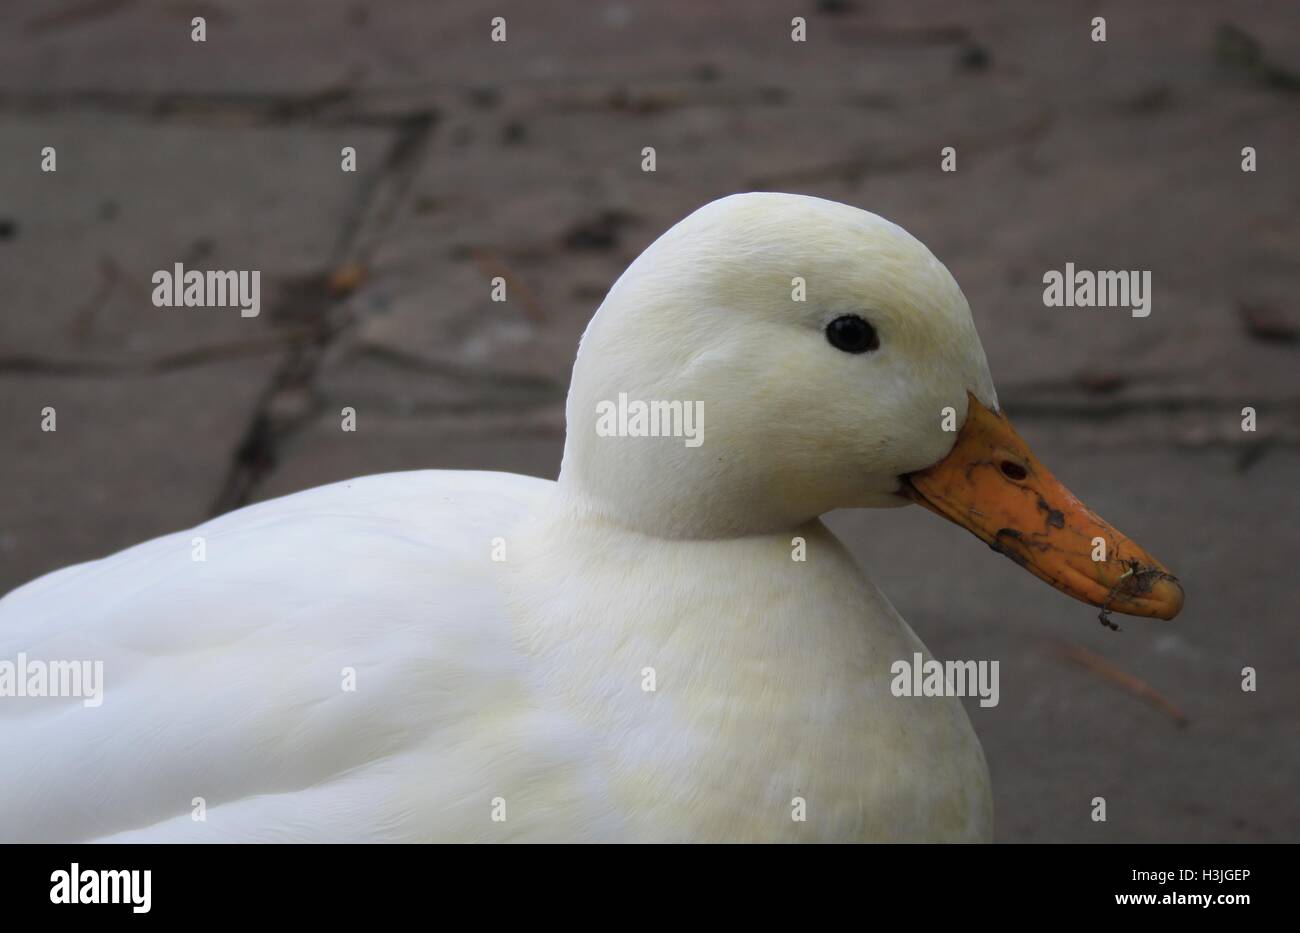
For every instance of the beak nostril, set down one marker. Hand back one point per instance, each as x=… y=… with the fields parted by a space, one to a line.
x=1013 y=471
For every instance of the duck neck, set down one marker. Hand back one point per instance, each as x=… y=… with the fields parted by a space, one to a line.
x=678 y=500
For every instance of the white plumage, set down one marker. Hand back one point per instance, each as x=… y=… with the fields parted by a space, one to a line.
x=515 y=688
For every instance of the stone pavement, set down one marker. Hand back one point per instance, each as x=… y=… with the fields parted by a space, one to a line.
x=522 y=159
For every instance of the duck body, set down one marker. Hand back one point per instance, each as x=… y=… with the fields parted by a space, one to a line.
x=771 y=680
x=517 y=688
x=226 y=679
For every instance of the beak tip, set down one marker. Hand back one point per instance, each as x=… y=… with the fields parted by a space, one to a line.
x=1161 y=599
x=1168 y=594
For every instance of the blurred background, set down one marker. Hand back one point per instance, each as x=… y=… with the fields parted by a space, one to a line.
x=523 y=159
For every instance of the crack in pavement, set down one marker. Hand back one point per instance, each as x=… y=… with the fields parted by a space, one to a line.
x=1112 y=409
x=289 y=400
x=331 y=106
x=853 y=170
x=22 y=364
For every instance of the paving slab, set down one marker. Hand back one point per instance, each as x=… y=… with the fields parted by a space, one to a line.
x=151 y=403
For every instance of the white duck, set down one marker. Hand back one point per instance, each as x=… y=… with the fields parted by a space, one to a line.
x=505 y=699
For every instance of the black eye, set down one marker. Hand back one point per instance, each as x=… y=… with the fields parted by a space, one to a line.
x=852 y=334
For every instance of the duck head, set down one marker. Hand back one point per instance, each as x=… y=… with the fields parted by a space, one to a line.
x=774 y=356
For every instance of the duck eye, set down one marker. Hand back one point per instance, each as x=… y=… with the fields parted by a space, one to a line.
x=852 y=334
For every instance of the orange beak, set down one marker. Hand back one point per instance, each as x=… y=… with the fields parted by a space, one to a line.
x=993 y=486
